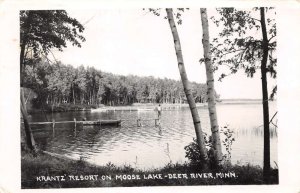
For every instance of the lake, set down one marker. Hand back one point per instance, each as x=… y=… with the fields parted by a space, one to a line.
x=148 y=146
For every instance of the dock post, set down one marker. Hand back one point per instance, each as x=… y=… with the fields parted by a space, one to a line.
x=138 y=122
x=53 y=123
x=157 y=122
x=75 y=123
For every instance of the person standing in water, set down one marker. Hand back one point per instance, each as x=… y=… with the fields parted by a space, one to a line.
x=159 y=112
x=158 y=109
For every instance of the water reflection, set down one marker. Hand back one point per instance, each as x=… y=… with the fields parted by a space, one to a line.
x=151 y=146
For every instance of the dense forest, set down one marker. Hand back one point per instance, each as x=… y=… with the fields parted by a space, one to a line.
x=59 y=83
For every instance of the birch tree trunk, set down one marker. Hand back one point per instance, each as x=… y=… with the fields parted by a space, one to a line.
x=186 y=86
x=266 y=167
x=28 y=133
x=216 y=142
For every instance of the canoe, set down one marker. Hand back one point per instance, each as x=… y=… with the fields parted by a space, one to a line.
x=102 y=122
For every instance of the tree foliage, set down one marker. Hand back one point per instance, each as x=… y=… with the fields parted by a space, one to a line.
x=239 y=44
x=59 y=83
x=177 y=13
x=43 y=30
x=248 y=41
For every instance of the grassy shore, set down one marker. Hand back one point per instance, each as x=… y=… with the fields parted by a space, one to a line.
x=45 y=171
x=62 y=108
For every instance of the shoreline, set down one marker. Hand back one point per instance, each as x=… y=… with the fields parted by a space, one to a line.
x=46 y=171
x=133 y=107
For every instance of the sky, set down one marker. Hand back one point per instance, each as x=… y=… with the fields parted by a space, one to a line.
x=134 y=41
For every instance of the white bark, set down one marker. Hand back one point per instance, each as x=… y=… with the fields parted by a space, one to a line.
x=216 y=142
x=186 y=86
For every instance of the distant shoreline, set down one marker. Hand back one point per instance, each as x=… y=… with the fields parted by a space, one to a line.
x=138 y=106
x=241 y=99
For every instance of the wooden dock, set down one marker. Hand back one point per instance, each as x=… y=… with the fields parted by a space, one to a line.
x=156 y=121
x=96 y=122
x=116 y=122
x=102 y=122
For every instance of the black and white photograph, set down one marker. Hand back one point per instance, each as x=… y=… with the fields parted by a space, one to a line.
x=148 y=97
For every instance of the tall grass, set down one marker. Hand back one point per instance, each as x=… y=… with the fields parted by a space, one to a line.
x=45 y=165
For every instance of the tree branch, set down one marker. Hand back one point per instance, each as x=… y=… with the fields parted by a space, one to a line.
x=271 y=38
x=273 y=117
x=28 y=97
x=45 y=56
x=252 y=18
x=52 y=55
x=230 y=52
x=243 y=53
x=226 y=65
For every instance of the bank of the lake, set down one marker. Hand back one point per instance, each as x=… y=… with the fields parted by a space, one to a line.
x=67 y=107
x=45 y=171
x=64 y=107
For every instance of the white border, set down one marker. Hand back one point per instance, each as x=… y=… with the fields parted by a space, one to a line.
x=288 y=91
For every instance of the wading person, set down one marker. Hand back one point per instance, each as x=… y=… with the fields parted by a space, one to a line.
x=158 y=109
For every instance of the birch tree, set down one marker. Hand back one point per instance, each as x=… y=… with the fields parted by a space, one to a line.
x=186 y=85
x=216 y=142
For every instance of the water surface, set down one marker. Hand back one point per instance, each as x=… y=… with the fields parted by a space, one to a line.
x=149 y=146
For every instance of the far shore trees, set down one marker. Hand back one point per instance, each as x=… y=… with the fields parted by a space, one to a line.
x=41 y=31
x=64 y=84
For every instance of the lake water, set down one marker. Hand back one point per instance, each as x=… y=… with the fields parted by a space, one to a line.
x=148 y=146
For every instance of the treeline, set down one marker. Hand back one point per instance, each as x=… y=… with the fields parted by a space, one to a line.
x=58 y=83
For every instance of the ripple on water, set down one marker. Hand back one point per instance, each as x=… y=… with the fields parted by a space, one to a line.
x=152 y=146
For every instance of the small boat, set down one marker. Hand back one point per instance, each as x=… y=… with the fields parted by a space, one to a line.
x=102 y=122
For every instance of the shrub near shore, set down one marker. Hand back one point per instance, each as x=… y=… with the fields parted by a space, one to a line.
x=44 y=171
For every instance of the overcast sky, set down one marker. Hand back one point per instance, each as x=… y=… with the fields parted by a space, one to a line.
x=132 y=41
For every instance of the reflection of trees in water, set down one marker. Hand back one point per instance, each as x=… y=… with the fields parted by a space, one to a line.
x=160 y=130
x=167 y=152
x=256 y=131
x=175 y=129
